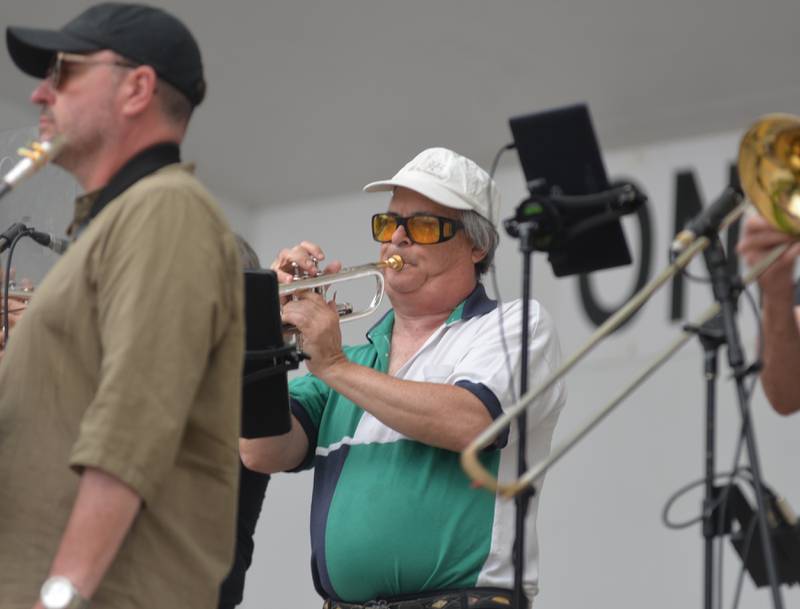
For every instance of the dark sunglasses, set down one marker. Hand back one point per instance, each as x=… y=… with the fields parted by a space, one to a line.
x=55 y=73
x=425 y=229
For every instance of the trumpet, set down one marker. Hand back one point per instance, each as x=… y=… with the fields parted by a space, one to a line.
x=346 y=311
x=769 y=171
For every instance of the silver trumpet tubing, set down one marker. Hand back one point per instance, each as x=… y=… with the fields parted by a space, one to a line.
x=33 y=159
x=346 y=311
x=769 y=169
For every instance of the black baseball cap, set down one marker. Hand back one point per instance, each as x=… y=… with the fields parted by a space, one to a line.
x=143 y=34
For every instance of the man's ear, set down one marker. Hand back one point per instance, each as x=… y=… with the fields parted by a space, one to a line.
x=478 y=255
x=138 y=89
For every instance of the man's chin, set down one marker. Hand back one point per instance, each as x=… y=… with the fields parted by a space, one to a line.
x=46 y=133
x=403 y=285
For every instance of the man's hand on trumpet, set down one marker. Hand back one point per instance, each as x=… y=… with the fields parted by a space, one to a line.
x=315 y=319
x=318 y=323
x=305 y=255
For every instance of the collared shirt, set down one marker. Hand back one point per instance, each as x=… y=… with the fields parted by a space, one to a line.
x=391 y=516
x=147 y=161
x=129 y=360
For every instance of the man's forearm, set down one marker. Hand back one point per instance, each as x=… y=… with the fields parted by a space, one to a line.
x=433 y=413
x=101 y=517
x=275 y=453
x=781 y=374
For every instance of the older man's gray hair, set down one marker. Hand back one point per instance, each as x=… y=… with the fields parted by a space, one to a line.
x=483 y=235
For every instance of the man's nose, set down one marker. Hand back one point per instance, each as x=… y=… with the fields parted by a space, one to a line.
x=400 y=236
x=43 y=94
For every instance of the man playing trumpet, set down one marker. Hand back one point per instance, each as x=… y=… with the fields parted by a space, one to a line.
x=393 y=516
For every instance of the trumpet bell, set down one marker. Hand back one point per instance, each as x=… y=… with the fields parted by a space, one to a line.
x=769 y=169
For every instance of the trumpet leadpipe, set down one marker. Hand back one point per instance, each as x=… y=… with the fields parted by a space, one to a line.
x=346 y=311
x=357 y=272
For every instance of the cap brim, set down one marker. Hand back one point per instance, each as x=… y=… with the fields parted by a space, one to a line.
x=435 y=192
x=32 y=49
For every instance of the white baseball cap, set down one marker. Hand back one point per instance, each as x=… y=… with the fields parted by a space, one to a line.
x=449 y=179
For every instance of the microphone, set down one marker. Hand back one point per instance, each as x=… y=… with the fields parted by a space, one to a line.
x=34 y=159
x=707 y=221
x=622 y=199
x=58 y=245
x=7 y=236
x=559 y=219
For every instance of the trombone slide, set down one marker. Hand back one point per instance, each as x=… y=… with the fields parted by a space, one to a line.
x=508 y=490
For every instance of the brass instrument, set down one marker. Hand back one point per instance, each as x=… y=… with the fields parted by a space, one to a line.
x=346 y=312
x=769 y=171
x=39 y=154
x=320 y=281
x=24 y=294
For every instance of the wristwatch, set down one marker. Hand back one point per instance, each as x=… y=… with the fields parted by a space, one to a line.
x=60 y=593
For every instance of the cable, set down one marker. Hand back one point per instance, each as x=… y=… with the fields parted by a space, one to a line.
x=738 y=473
x=760 y=332
x=493 y=275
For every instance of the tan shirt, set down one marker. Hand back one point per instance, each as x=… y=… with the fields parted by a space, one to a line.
x=129 y=360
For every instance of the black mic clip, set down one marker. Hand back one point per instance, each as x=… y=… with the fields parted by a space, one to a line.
x=12 y=232
x=536 y=220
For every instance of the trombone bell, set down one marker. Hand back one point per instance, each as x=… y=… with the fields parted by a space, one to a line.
x=769 y=169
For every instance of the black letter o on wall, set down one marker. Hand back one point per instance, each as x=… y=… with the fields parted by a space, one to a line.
x=596 y=312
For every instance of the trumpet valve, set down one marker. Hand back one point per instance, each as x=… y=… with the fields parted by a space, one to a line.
x=344 y=308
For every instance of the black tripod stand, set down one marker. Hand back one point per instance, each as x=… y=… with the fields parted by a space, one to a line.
x=722 y=330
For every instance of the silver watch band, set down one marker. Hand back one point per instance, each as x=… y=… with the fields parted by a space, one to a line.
x=58 y=592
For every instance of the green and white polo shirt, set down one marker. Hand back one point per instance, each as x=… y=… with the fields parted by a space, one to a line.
x=393 y=516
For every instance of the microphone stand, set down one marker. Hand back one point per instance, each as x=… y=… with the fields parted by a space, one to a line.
x=718 y=331
x=711 y=335
x=539 y=226
x=527 y=233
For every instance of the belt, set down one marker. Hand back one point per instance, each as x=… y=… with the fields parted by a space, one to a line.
x=467 y=598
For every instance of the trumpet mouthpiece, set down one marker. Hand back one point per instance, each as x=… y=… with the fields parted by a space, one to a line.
x=394 y=262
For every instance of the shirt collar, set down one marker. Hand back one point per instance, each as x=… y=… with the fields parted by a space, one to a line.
x=142 y=164
x=477 y=303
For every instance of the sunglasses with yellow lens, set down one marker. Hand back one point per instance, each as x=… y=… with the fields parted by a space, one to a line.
x=424 y=229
